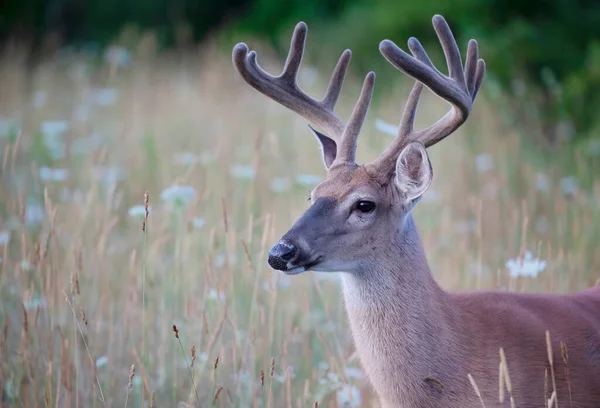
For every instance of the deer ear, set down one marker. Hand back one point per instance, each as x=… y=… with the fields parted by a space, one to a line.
x=413 y=172
x=328 y=147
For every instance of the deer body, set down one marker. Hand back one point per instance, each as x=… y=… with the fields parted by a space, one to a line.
x=417 y=343
x=413 y=338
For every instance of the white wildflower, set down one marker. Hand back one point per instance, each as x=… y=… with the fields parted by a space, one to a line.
x=109 y=175
x=139 y=211
x=198 y=222
x=385 y=127
x=50 y=174
x=349 y=397
x=117 y=56
x=101 y=361
x=187 y=158
x=281 y=377
x=54 y=127
x=218 y=295
x=333 y=377
x=34 y=303
x=527 y=266
x=4 y=237
x=308 y=179
x=104 y=96
x=34 y=214
x=222 y=258
x=39 y=99
x=484 y=163
x=569 y=185
x=541 y=182
x=242 y=172
x=178 y=194
x=351 y=372
x=52 y=132
x=242 y=376
x=280 y=184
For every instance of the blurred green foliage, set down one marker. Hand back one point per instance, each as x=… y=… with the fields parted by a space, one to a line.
x=543 y=56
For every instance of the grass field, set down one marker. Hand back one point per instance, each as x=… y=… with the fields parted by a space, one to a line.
x=86 y=292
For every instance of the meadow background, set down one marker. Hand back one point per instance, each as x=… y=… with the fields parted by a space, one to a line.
x=109 y=108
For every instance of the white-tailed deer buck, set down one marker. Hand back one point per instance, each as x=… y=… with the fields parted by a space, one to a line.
x=418 y=343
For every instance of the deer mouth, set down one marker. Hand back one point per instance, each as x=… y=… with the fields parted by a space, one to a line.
x=295 y=270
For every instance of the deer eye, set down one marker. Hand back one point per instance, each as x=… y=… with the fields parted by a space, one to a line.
x=365 y=206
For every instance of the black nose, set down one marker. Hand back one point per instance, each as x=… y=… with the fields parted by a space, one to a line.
x=280 y=255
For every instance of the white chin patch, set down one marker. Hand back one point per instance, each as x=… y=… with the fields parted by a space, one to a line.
x=295 y=271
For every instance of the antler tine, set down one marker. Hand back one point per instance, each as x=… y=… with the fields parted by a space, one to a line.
x=451 y=51
x=347 y=149
x=407 y=121
x=337 y=80
x=459 y=88
x=294 y=58
x=284 y=88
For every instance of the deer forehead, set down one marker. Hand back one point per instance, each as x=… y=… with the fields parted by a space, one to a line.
x=348 y=183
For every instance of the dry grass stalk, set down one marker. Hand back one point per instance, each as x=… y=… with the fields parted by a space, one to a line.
x=146 y=211
x=193 y=355
x=130 y=383
x=224 y=213
x=83 y=317
x=131 y=375
x=551 y=361
x=216 y=395
x=500 y=382
x=89 y=353
x=546 y=397
x=506 y=376
x=145 y=245
x=565 y=357
x=553 y=400
x=176 y=332
x=141 y=369
x=217 y=332
x=476 y=388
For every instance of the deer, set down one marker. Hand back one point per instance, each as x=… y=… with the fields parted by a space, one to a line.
x=419 y=345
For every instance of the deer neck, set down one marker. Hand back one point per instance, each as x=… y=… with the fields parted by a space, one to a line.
x=400 y=320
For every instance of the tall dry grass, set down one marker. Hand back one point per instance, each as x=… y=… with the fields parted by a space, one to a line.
x=98 y=311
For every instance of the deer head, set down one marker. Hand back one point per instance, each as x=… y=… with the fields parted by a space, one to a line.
x=356 y=210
